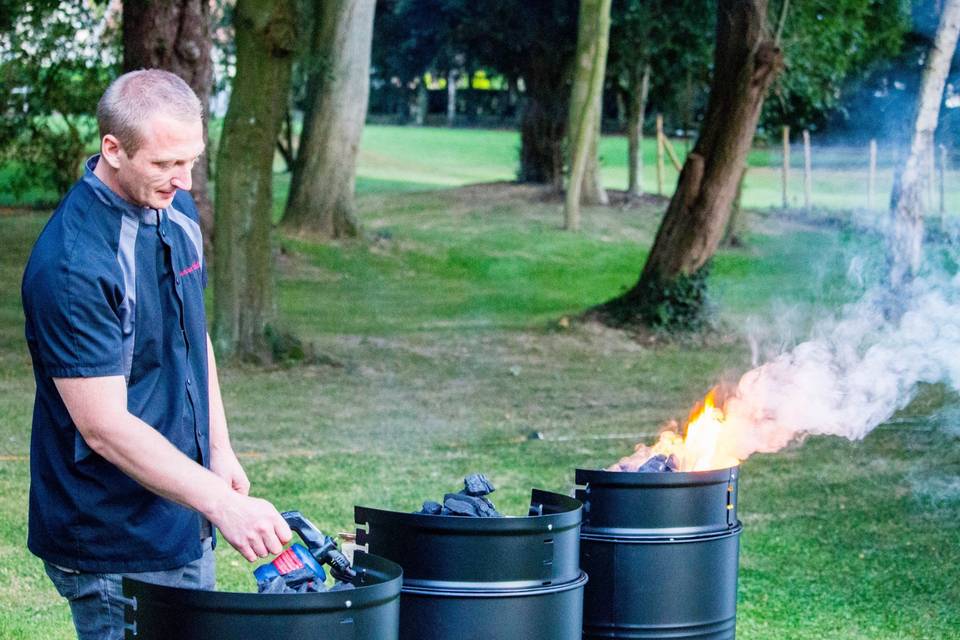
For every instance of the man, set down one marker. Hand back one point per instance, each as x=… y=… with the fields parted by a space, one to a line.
x=130 y=457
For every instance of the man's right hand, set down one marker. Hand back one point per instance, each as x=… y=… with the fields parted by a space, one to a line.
x=252 y=526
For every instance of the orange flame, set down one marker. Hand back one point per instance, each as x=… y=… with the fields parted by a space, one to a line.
x=704 y=446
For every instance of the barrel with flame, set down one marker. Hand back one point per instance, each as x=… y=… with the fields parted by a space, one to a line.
x=507 y=578
x=662 y=552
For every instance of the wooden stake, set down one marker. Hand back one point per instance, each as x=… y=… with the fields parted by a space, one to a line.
x=872 y=177
x=659 y=154
x=807 y=172
x=673 y=154
x=786 y=164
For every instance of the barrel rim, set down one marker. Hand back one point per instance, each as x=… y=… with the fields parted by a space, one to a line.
x=578 y=582
x=695 y=629
x=603 y=477
x=566 y=513
x=656 y=536
x=387 y=588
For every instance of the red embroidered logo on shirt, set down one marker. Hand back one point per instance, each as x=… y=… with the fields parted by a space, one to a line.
x=191 y=268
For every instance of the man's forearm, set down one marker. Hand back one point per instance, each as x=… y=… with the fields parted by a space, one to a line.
x=145 y=455
x=98 y=407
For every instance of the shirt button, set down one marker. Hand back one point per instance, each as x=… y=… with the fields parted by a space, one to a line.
x=163 y=231
x=178 y=282
x=188 y=382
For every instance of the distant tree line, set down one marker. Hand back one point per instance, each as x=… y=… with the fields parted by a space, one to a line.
x=301 y=73
x=832 y=49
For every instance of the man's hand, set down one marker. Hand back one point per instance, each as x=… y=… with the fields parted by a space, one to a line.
x=252 y=526
x=224 y=463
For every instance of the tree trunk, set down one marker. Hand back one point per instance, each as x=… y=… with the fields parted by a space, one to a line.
x=585 y=100
x=243 y=277
x=593 y=191
x=452 y=77
x=324 y=177
x=175 y=35
x=285 y=141
x=671 y=289
x=543 y=124
x=906 y=200
x=639 y=89
x=621 y=111
x=733 y=236
x=422 y=104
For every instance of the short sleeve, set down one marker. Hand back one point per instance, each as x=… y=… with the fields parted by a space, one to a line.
x=73 y=321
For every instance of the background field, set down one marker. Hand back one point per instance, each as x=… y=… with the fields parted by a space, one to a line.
x=443 y=327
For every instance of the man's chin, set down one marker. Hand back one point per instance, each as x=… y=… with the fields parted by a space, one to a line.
x=162 y=200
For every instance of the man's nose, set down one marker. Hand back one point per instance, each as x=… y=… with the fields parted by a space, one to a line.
x=182 y=179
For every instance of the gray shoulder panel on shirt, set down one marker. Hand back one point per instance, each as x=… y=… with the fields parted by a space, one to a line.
x=127 y=257
x=190 y=227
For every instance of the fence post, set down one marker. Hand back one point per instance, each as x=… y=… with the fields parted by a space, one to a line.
x=786 y=164
x=807 y=172
x=659 y=154
x=872 y=177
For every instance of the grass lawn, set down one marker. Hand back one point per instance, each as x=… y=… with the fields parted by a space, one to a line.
x=446 y=323
x=401 y=159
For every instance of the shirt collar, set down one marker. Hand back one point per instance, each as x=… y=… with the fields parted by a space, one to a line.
x=108 y=197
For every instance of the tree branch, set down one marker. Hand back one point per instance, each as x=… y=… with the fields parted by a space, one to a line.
x=784 y=9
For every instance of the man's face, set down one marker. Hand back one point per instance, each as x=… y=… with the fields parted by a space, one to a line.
x=162 y=164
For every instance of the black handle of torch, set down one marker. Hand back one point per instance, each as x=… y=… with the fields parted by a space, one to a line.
x=340 y=567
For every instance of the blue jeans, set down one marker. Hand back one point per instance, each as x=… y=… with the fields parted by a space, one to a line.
x=96 y=599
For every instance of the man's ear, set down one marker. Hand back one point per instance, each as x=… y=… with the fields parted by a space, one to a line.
x=110 y=150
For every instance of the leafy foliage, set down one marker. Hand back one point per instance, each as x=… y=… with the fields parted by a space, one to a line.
x=828 y=46
x=675 y=37
x=415 y=36
x=55 y=61
x=882 y=101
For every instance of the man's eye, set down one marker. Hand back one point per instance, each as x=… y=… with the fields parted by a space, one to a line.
x=162 y=165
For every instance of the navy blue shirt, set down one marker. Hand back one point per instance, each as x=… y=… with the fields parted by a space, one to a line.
x=115 y=289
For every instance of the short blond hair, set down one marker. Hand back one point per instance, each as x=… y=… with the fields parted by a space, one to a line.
x=135 y=96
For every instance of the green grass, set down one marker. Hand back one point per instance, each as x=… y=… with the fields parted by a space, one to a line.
x=399 y=159
x=446 y=323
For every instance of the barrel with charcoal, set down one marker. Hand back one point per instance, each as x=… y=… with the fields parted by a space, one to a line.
x=295 y=600
x=472 y=573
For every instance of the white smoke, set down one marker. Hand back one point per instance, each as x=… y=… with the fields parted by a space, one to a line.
x=854 y=374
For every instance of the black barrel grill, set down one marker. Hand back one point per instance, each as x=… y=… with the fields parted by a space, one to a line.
x=662 y=551
x=511 y=578
x=368 y=612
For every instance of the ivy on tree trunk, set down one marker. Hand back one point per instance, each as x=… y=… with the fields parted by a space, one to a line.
x=243 y=273
x=670 y=292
